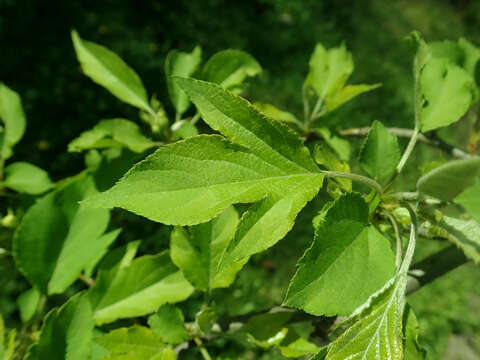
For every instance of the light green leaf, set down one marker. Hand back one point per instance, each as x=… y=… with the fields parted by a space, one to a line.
x=192 y=181
x=346 y=94
x=339 y=145
x=105 y=240
x=133 y=343
x=229 y=68
x=27 y=178
x=329 y=70
x=470 y=200
x=298 y=348
x=465 y=234
x=447 y=181
x=183 y=129
x=380 y=153
x=348 y=261
x=168 y=323
x=137 y=289
x=12 y=116
x=66 y=333
x=198 y=251
x=108 y=70
x=112 y=133
x=275 y=113
x=7 y=346
x=27 y=303
x=325 y=157
x=57 y=238
x=183 y=64
x=448 y=91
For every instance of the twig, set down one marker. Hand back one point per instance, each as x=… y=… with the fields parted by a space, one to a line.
x=370 y=182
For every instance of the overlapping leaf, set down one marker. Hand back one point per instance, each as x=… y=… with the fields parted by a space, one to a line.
x=110 y=71
x=66 y=333
x=199 y=250
x=137 y=289
x=465 y=234
x=470 y=200
x=377 y=329
x=347 y=262
x=168 y=323
x=180 y=63
x=57 y=238
x=134 y=343
x=194 y=180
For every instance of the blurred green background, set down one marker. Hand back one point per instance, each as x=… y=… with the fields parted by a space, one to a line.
x=37 y=60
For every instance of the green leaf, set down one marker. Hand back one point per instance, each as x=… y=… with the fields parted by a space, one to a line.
x=339 y=145
x=135 y=343
x=447 y=181
x=413 y=349
x=470 y=200
x=12 y=115
x=66 y=333
x=194 y=180
x=137 y=289
x=27 y=178
x=380 y=153
x=198 y=251
x=27 y=303
x=7 y=346
x=325 y=157
x=448 y=91
x=377 y=325
x=329 y=69
x=465 y=234
x=108 y=70
x=229 y=68
x=168 y=323
x=106 y=240
x=112 y=133
x=57 y=238
x=348 y=261
x=184 y=64
x=346 y=94
x=275 y=113
x=298 y=348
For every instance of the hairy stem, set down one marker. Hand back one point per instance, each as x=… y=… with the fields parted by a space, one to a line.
x=398 y=237
x=355 y=177
x=203 y=350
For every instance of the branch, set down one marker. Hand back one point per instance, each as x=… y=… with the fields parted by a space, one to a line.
x=408 y=133
x=435 y=266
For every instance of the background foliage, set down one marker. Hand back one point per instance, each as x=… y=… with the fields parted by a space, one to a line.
x=38 y=61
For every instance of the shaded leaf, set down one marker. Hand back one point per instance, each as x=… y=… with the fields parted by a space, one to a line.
x=413 y=349
x=112 y=133
x=66 y=333
x=275 y=113
x=447 y=181
x=348 y=261
x=27 y=303
x=57 y=238
x=183 y=64
x=339 y=145
x=465 y=234
x=168 y=323
x=298 y=348
x=137 y=289
x=108 y=70
x=183 y=129
x=26 y=178
x=198 y=251
x=380 y=153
